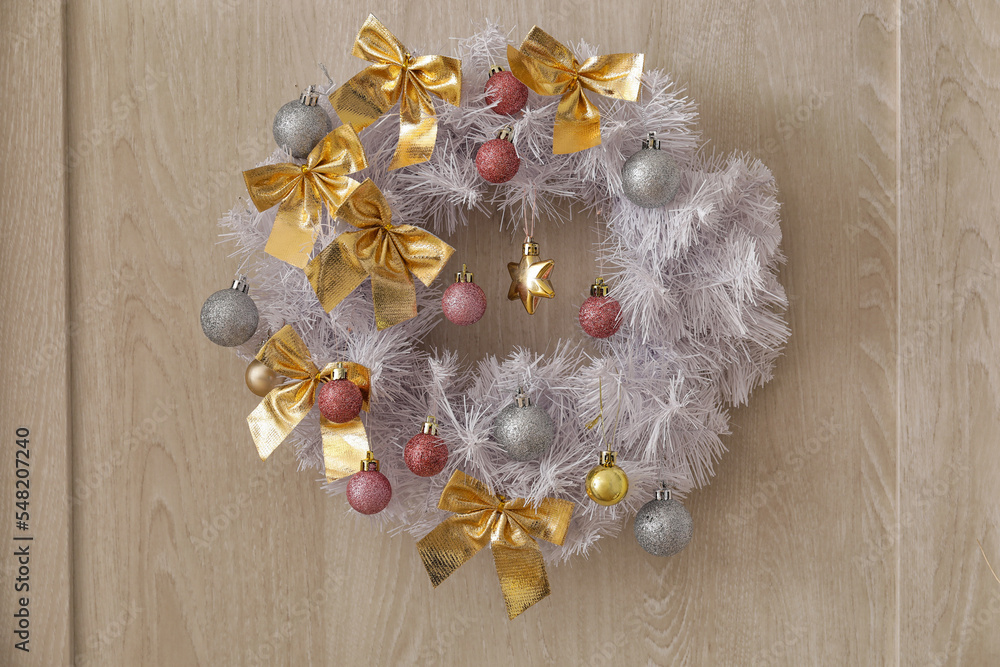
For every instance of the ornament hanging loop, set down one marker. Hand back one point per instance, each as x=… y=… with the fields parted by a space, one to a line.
x=430 y=426
x=599 y=288
x=309 y=97
x=369 y=462
x=523 y=400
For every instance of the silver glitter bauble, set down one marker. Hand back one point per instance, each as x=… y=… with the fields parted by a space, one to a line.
x=301 y=124
x=229 y=317
x=650 y=178
x=525 y=431
x=663 y=527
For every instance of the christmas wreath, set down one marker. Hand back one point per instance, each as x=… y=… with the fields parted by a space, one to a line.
x=537 y=456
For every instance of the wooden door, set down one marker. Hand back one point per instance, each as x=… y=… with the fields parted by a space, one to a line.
x=841 y=527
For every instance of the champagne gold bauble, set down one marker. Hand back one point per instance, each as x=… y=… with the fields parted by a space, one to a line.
x=260 y=378
x=607 y=484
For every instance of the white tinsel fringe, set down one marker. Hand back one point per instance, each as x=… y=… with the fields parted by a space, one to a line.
x=702 y=308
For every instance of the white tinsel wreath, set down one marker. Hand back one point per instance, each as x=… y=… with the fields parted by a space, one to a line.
x=701 y=304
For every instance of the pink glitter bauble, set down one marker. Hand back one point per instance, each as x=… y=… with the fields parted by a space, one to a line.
x=425 y=455
x=509 y=93
x=497 y=160
x=601 y=316
x=340 y=400
x=463 y=303
x=369 y=491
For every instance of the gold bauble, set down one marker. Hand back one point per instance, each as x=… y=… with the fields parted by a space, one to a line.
x=260 y=378
x=607 y=484
x=529 y=277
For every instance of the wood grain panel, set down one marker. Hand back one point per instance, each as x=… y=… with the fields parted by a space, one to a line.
x=188 y=550
x=950 y=367
x=33 y=332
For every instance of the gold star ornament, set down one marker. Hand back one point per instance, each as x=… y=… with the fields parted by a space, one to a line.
x=529 y=277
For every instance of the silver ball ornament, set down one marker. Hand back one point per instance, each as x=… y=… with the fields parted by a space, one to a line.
x=650 y=177
x=663 y=527
x=525 y=431
x=301 y=124
x=229 y=317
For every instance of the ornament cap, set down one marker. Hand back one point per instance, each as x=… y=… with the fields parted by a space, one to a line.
x=651 y=141
x=530 y=248
x=339 y=372
x=599 y=288
x=464 y=276
x=608 y=458
x=663 y=493
x=506 y=133
x=523 y=400
x=369 y=462
x=496 y=69
x=309 y=97
x=430 y=425
x=241 y=284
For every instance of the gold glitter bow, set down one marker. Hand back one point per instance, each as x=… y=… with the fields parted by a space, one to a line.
x=386 y=252
x=398 y=76
x=549 y=68
x=299 y=191
x=509 y=527
x=344 y=445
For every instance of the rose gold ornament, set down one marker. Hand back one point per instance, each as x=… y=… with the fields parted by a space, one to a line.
x=504 y=88
x=368 y=490
x=497 y=160
x=464 y=302
x=600 y=314
x=340 y=400
x=426 y=454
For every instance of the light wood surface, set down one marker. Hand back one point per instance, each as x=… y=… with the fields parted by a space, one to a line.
x=35 y=330
x=840 y=528
x=949 y=266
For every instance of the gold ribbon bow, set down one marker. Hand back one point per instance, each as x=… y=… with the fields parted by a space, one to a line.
x=344 y=445
x=398 y=76
x=299 y=191
x=386 y=252
x=549 y=68
x=509 y=527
